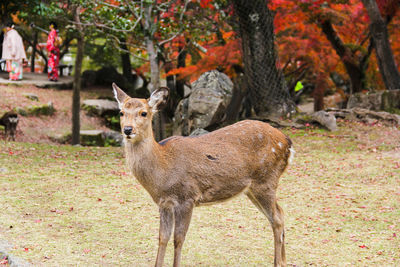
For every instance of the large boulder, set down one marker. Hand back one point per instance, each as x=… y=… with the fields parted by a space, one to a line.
x=206 y=106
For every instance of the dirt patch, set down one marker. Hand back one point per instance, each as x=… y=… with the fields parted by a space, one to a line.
x=38 y=129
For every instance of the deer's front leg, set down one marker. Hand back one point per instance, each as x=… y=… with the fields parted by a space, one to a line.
x=183 y=215
x=6 y=134
x=166 y=223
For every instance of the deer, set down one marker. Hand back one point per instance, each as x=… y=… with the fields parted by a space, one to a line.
x=10 y=121
x=181 y=173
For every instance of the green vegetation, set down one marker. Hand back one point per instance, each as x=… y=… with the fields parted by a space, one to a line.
x=77 y=206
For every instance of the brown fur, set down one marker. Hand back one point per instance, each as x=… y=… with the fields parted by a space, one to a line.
x=183 y=172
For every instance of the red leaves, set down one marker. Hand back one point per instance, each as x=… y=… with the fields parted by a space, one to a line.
x=225 y=56
x=60 y=212
x=206 y=4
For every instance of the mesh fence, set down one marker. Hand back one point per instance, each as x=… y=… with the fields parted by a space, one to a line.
x=267 y=88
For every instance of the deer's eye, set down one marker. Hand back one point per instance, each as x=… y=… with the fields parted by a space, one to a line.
x=121 y=113
x=143 y=113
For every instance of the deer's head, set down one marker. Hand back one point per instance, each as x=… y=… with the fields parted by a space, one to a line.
x=137 y=114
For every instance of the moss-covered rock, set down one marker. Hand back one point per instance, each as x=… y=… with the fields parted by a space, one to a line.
x=32 y=97
x=61 y=138
x=100 y=107
x=21 y=111
x=91 y=138
x=45 y=109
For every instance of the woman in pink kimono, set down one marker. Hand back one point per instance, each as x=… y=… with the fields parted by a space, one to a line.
x=53 y=53
x=13 y=52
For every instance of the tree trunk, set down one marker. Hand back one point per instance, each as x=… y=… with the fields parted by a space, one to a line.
x=268 y=92
x=35 y=41
x=353 y=68
x=318 y=93
x=126 y=62
x=180 y=83
x=158 y=121
x=77 y=80
x=386 y=62
x=238 y=94
x=173 y=96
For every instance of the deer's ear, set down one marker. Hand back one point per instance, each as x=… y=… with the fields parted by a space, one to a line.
x=119 y=95
x=158 y=99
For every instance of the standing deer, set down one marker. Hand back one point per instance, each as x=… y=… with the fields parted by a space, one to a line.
x=10 y=122
x=181 y=173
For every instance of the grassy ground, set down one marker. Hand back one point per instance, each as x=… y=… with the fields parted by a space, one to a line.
x=75 y=206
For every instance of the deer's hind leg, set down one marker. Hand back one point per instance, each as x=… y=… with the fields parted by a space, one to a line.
x=264 y=198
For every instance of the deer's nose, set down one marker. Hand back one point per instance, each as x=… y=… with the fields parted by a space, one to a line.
x=128 y=130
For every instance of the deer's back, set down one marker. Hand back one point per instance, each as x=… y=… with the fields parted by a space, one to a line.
x=247 y=138
x=231 y=158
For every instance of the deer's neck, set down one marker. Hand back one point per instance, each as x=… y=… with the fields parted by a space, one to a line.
x=145 y=161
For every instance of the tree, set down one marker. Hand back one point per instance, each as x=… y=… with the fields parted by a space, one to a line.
x=220 y=45
x=329 y=37
x=78 y=14
x=259 y=57
x=143 y=20
x=379 y=32
x=80 y=36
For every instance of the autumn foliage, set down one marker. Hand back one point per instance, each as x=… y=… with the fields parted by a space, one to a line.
x=301 y=42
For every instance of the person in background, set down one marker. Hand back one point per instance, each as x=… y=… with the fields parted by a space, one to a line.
x=13 y=52
x=53 y=52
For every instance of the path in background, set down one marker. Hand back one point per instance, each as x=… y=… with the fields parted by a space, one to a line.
x=38 y=80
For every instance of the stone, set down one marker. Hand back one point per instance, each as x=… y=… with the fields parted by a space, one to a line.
x=21 y=111
x=100 y=107
x=390 y=100
x=206 y=106
x=325 y=119
x=198 y=132
x=380 y=100
x=61 y=138
x=368 y=116
x=31 y=96
x=112 y=138
x=45 y=109
x=91 y=138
